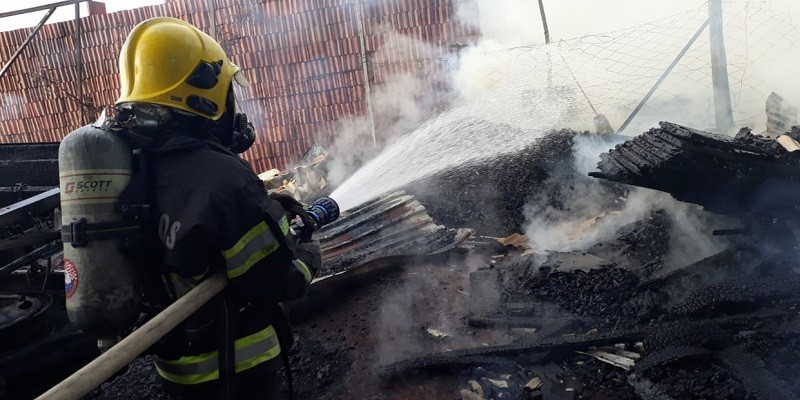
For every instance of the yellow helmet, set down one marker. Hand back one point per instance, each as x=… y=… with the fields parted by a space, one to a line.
x=170 y=62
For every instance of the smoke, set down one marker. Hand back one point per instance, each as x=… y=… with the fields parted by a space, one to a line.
x=423 y=310
x=351 y=146
x=491 y=91
x=13 y=104
x=399 y=101
x=476 y=85
x=514 y=23
x=590 y=213
x=690 y=235
x=397 y=328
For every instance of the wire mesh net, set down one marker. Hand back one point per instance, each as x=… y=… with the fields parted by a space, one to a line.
x=611 y=73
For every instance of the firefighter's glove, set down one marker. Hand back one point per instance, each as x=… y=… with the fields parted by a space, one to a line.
x=286 y=200
x=311 y=254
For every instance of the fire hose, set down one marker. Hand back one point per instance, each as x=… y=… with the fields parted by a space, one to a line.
x=107 y=364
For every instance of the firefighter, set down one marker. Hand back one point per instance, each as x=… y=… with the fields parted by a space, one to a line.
x=213 y=213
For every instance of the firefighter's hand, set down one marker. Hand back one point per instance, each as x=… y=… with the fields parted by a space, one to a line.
x=311 y=254
x=286 y=200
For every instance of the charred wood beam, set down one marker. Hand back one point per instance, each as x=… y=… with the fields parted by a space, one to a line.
x=756 y=379
x=669 y=354
x=42 y=203
x=541 y=349
x=658 y=336
x=646 y=389
x=738 y=293
x=744 y=176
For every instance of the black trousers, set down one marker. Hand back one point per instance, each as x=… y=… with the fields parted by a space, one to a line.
x=253 y=384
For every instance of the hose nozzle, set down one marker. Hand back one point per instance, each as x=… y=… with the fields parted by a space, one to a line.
x=324 y=211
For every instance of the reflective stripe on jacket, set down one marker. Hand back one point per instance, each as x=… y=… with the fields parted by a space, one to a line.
x=255 y=245
x=258 y=348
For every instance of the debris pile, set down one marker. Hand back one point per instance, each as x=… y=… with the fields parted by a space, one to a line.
x=748 y=174
x=395 y=224
x=408 y=307
x=490 y=195
x=305 y=180
x=611 y=321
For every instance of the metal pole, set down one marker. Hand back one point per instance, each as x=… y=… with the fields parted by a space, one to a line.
x=577 y=83
x=26 y=42
x=723 y=112
x=103 y=367
x=544 y=22
x=79 y=61
x=40 y=8
x=212 y=15
x=663 y=76
x=547 y=41
x=365 y=66
x=83 y=103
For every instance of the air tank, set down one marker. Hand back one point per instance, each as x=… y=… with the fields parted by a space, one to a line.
x=103 y=296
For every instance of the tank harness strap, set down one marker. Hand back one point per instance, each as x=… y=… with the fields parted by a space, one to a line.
x=80 y=233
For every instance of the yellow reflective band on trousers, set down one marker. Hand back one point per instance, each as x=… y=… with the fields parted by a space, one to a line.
x=304 y=269
x=284 y=223
x=251 y=350
x=254 y=246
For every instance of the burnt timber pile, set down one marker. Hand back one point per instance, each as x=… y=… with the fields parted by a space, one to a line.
x=490 y=195
x=608 y=322
x=748 y=174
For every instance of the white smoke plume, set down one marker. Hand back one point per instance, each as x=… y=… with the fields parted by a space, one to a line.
x=15 y=104
x=399 y=104
x=587 y=219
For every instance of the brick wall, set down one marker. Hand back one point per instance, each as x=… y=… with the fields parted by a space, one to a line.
x=303 y=58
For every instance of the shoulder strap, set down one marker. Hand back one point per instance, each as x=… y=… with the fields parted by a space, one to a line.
x=137 y=204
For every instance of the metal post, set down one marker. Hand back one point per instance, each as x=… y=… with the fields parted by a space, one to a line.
x=723 y=112
x=26 y=42
x=212 y=15
x=577 y=83
x=663 y=77
x=79 y=62
x=365 y=66
x=544 y=22
x=40 y=8
x=547 y=41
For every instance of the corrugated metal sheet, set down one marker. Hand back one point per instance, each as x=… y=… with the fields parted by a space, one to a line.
x=395 y=224
x=302 y=56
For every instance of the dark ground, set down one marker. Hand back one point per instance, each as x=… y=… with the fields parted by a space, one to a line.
x=337 y=353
